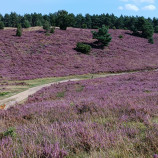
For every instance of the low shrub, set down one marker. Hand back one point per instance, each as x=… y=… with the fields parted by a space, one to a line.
x=120 y=36
x=3 y=93
x=52 y=30
x=83 y=48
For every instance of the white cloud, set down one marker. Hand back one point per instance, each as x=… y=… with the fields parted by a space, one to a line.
x=120 y=8
x=131 y=7
x=144 y=1
x=139 y=1
x=149 y=7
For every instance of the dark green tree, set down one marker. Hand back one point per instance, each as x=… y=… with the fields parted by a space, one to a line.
x=7 y=21
x=19 y=30
x=26 y=24
x=63 y=19
x=46 y=26
x=156 y=29
x=147 y=30
x=102 y=35
x=1 y=25
x=13 y=19
x=79 y=20
x=88 y=21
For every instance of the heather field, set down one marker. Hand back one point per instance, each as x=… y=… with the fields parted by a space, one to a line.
x=112 y=117
x=36 y=55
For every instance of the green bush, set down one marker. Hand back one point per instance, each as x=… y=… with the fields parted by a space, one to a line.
x=19 y=30
x=120 y=36
x=150 y=40
x=46 y=26
x=52 y=30
x=83 y=48
x=9 y=132
x=3 y=93
x=102 y=36
x=1 y=25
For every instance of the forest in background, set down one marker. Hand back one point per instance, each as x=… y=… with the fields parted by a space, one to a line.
x=79 y=21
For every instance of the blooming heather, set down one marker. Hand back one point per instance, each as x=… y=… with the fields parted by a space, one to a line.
x=106 y=117
x=35 y=55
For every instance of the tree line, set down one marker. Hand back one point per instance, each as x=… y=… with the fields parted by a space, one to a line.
x=62 y=18
x=139 y=25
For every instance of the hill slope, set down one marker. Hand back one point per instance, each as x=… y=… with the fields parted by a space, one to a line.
x=35 y=55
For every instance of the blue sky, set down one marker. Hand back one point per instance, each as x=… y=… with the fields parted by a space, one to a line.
x=147 y=8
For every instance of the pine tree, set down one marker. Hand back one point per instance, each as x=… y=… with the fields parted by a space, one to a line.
x=102 y=36
x=19 y=30
x=46 y=26
x=1 y=25
x=26 y=24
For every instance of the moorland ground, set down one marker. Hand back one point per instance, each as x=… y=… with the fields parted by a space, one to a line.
x=110 y=117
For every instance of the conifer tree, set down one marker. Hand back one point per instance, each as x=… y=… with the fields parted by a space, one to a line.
x=102 y=36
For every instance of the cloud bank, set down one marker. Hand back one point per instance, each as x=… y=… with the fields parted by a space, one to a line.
x=138 y=5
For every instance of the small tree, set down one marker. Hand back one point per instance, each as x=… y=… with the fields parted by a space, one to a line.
x=19 y=30
x=52 y=30
x=102 y=36
x=46 y=26
x=1 y=25
x=147 y=30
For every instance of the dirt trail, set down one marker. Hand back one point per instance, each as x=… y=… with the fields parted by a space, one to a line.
x=18 y=98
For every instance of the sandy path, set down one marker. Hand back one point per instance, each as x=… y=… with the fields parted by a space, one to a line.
x=18 y=98
x=11 y=101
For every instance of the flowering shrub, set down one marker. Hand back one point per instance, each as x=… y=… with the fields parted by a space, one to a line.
x=108 y=117
x=35 y=55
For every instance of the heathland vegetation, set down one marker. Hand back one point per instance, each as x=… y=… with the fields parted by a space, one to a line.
x=108 y=117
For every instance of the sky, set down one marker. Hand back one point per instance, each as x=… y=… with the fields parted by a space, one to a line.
x=146 y=8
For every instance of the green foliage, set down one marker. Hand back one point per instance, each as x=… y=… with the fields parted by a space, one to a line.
x=144 y=28
x=9 y=132
x=83 y=48
x=102 y=36
x=52 y=30
x=46 y=26
x=150 y=40
x=156 y=29
x=3 y=93
x=63 y=19
x=120 y=36
x=1 y=25
x=147 y=30
x=134 y=29
x=19 y=30
x=60 y=94
x=84 y=26
x=26 y=24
